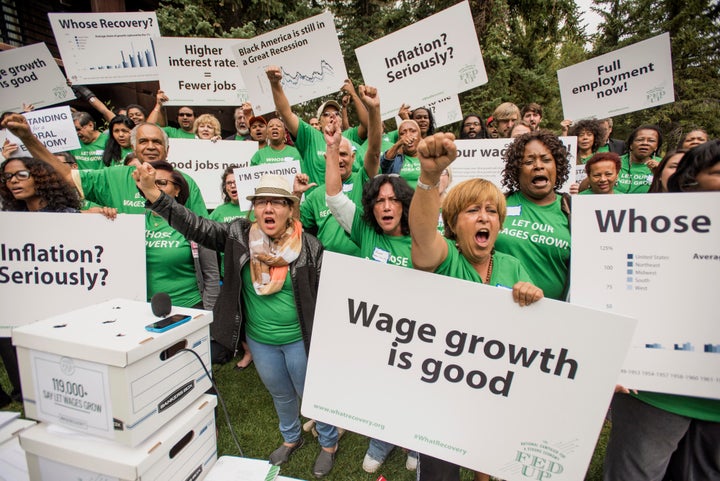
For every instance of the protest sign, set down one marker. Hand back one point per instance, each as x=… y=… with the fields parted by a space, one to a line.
x=205 y=161
x=199 y=71
x=483 y=158
x=308 y=54
x=247 y=178
x=30 y=75
x=426 y=61
x=446 y=110
x=632 y=78
x=102 y=48
x=507 y=390
x=54 y=127
x=654 y=257
x=53 y=263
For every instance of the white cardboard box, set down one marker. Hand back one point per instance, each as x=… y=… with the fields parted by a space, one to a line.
x=97 y=370
x=184 y=449
x=12 y=458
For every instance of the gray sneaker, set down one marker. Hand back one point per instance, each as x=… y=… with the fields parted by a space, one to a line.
x=324 y=463
x=282 y=454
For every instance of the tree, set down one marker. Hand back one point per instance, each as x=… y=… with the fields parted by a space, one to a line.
x=694 y=29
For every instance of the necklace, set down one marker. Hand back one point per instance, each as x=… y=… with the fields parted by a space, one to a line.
x=489 y=271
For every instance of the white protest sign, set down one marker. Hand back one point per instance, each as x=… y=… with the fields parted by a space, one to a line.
x=465 y=359
x=426 y=61
x=446 y=110
x=309 y=55
x=59 y=262
x=483 y=158
x=654 y=257
x=54 y=127
x=72 y=390
x=199 y=71
x=632 y=78
x=30 y=75
x=102 y=48
x=247 y=178
x=205 y=161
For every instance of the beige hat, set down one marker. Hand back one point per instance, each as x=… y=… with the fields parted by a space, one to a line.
x=326 y=104
x=272 y=185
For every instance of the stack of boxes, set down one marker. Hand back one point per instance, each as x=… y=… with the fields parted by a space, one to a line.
x=115 y=400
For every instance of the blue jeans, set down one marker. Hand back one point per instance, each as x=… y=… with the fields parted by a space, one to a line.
x=282 y=371
x=379 y=450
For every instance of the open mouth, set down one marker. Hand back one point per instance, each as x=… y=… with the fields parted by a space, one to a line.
x=482 y=236
x=540 y=181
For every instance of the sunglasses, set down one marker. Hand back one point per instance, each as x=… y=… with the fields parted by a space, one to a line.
x=163 y=182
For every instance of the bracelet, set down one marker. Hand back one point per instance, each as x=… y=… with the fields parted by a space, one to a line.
x=423 y=186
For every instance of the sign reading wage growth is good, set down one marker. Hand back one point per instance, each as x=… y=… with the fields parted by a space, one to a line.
x=516 y=392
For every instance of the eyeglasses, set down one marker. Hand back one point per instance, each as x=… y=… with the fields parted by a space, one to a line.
x=182 y=114
x=163 y=182
x=20 y=174
x=230 y=182
x=274 y=202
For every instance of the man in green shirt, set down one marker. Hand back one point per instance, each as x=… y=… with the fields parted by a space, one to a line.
x=276 y=150
x=185 y=119
x=92 y=142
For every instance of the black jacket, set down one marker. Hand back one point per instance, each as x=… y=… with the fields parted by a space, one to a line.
x=232 y=238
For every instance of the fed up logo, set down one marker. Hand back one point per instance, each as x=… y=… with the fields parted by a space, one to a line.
x=537 y=467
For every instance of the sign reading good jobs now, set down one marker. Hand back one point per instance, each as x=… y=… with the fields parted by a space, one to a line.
x=474 y=379
x=632 y=78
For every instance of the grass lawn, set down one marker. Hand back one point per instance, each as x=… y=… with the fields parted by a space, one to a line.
x=255 y=424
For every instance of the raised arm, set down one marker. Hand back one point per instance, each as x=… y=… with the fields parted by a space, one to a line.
x=282 y=104
x=429 y=248
x=333 y=137
x=371 y=103
x=360 y=108
x=18 y=125
x=87 y=94
x=157 y=115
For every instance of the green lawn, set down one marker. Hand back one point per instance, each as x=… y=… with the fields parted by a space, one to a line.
x=254 y=421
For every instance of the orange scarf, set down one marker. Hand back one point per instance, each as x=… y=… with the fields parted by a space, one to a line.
x=269 y=259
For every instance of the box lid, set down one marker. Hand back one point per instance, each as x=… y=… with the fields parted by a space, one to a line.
x=12 y=428
x=107 y=457
x=112 y=332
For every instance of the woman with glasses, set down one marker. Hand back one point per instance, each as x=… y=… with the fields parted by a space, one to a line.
x=272 y=270
x=187 y=273
x=29 y=185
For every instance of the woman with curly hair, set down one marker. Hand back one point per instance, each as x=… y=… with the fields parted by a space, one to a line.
x=207 y=127
x=30 y=184
x=590 y=134
x=537 y=229
x=118 y=143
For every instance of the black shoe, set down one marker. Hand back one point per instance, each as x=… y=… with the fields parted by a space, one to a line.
x=324 y=463
x=282 y=454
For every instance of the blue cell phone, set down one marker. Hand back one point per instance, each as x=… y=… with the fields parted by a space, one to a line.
x=168 y=323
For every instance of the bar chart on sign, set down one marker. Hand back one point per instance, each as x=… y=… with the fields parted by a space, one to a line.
x=654 y=258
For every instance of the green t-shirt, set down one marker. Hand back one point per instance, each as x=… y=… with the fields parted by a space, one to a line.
x=692 y=407
x=169 y=263
x=506 y=270
x=175 y=133
x=224 y=213
x=315 y=213
x=539 y=237
x=268 y=155
x=383 y=248
x=633 y=178
x=311 y=144
x=410 y=170
x=89 y=156
x=271 y=319
x=115 y=187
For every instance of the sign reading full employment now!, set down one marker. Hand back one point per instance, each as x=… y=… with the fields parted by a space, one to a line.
x=426 y=61
x=512 y=391
x=654 y=257
x=100 y=48
x=308 y=54
x=632 y=78
x=199 y=71
x=68 y=261
x=30 y=75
